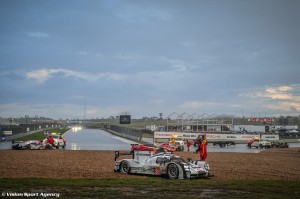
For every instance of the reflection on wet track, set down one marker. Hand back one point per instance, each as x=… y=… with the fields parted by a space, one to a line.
x=94 y=139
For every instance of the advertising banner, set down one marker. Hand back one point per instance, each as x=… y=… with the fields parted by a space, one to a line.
x=230 y=137
x=160 y=134
x=270 y=137
x=209 y=136
x=269 y=120
x=7 y=132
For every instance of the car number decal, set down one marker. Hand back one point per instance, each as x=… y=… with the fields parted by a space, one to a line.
x=157 y=171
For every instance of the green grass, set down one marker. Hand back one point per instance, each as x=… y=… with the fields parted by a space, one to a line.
x=41 y=135
x=154 y=187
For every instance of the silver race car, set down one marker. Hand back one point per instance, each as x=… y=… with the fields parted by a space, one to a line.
x=161 y=164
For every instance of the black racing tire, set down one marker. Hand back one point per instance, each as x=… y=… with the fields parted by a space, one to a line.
x=249 y=145
x=125 y=167
x=64 y=146
x=161 y=150
x=173 y=171
x=222 y=145
x=261 y=146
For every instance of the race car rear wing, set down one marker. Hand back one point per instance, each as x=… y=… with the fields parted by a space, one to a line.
x=118 y=154
x=136 y=155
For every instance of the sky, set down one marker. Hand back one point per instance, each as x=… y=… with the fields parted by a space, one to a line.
x=76 y=59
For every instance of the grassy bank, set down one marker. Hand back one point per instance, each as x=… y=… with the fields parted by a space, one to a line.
x=154 y=187
x=41 y=135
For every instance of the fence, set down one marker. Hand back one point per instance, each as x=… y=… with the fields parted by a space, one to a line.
x=24 y=128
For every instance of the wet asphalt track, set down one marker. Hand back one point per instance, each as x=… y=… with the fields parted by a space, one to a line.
x=95 y=139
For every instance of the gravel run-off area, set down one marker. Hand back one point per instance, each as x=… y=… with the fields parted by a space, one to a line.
x=274 y=164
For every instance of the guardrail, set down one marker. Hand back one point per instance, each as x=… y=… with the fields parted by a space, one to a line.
x=12 y=137
x=129 y=133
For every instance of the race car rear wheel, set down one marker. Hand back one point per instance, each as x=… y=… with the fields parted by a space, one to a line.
x=124 y=167
x=173 y=171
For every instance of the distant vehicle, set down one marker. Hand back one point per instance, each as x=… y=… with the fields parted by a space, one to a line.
x=293 y=131
x=162 y=164
x=280 y=145
x=168 y=147
x=30 y=144
x=256 y=142
x=221 y=143
x=179 y=143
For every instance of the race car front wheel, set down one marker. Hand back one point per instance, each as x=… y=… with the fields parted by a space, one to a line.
x=125 y=167
x=173 y=171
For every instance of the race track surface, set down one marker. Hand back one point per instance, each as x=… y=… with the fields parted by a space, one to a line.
x=270 y=164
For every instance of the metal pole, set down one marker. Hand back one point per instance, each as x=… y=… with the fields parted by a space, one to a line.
x=168 y=120
x=181 y=116
x=199 y=117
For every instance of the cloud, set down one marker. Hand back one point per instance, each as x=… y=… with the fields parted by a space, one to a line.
x=283 y=98
x=38 y=35
x=281 y=92
x=179 y=65
x=43 y=75
x=293 y=106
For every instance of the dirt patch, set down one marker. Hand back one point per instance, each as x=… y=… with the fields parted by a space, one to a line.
x=270 y=164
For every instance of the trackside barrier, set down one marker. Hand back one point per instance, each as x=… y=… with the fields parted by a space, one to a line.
x=130 y=133
x=118 y=154
x=213 y=137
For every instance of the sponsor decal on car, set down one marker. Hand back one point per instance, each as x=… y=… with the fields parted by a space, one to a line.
x=157 y=171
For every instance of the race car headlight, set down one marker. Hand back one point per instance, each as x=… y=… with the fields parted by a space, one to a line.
x=206 y=166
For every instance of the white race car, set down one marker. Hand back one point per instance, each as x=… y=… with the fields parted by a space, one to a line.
x=30 y=144
x=161 y=164
x=259 y=143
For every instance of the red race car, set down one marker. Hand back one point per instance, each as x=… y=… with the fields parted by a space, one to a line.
x=168 y=147
x=143 y=147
